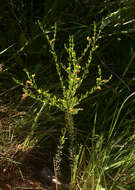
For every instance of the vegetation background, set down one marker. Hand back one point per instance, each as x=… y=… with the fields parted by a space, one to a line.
x=86 y=133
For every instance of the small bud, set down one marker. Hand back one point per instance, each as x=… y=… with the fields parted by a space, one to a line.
x=88 y=38
x=81 y=109
x=78 y=66
x=68 y=68
x=39 y=91
x=28 y=82
x=105 y=81
x=24 y=96
x=72 y=110
x=98 y=79
x=78 y=71
x=99 y=88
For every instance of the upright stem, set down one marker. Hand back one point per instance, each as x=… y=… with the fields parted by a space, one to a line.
x=70 y=127
x=30 y=139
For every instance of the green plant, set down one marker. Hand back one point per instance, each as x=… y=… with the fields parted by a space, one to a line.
x=69 y=100
x=28 y=141
x=20 y=27
x=109 y=162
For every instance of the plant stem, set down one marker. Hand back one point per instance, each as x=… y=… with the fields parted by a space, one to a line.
x=70 y=127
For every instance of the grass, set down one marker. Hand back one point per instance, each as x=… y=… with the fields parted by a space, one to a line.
x=62 y=106
x=108 y=163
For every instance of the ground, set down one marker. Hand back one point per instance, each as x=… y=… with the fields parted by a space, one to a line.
x=16 y=169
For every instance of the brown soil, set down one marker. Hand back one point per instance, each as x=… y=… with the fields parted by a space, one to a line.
x=17 y=172
x=15 y=181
